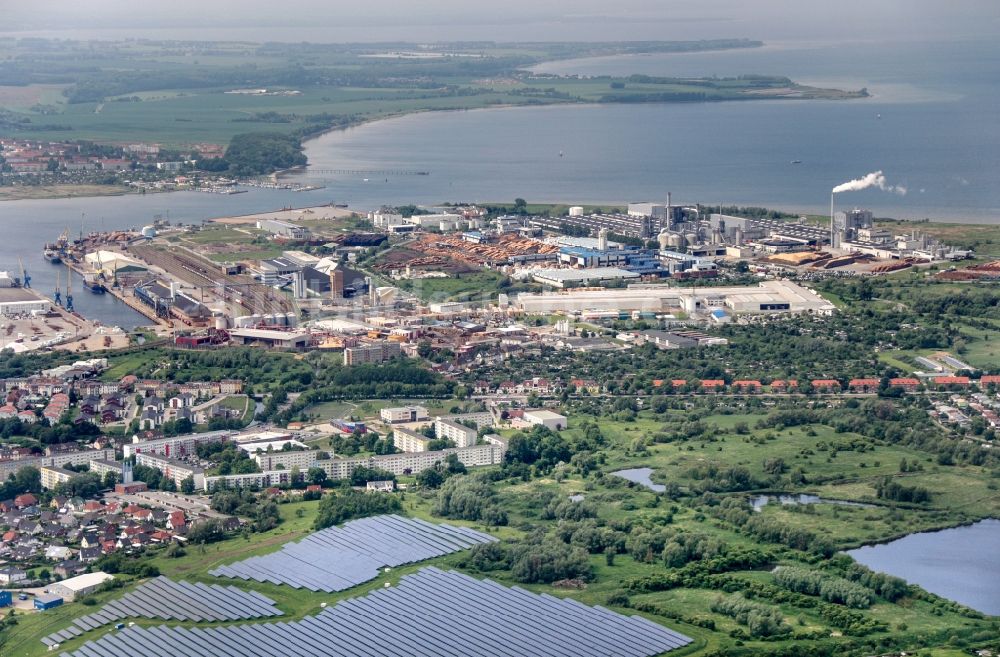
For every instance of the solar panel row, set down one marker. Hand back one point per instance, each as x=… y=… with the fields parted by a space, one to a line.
x=431 y=612
x=338 y=558
x=166 y=599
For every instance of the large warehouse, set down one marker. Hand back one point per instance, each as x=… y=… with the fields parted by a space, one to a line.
x=19 y=301
x=768 y=297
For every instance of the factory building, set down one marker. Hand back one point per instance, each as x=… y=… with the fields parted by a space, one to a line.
x=270 y=338
x=547 y=419
x=271 y=272
x=656 y=211
x=620 y=224
x=79 y=586
x=16 y=301
x=166 y=301
x=112 y=264
x=383 y=219
x=561 y=278
x=284 y=229
x=767 y=297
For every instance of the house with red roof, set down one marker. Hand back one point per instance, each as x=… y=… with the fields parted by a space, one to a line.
x=781 y=385
x=825 y=385
x=25 y=499
x=958 y=381
x=747 y=385
x=713 y=385
x=176 y=520
x=906 y=383
x=863 y=385
x=989 y=379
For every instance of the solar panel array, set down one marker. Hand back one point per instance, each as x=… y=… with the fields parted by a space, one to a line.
x=338 y=558
x=166 y=599
x=431 y=612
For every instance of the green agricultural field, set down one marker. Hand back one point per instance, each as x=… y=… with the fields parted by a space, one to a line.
x=146 y=91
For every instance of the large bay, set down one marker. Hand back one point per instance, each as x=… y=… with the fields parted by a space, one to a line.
x=931 y=125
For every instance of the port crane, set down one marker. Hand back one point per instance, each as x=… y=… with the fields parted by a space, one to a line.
x=69 y=291
x=57 y=295
x=25 y=279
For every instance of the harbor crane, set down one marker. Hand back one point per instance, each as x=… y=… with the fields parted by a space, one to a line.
x=25 y=279
x=57 y=295
x=69 y=290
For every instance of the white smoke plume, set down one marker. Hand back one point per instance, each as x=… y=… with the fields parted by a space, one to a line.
x=874 y=179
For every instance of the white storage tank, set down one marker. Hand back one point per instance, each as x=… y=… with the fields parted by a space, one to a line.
x=576 y=211
x=148 y=232
x=221 y=322
x=291 y=319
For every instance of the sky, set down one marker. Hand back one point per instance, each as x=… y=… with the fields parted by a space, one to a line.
x=510 y=20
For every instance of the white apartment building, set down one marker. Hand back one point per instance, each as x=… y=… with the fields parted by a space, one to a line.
x=409 y=441
x=462 y=435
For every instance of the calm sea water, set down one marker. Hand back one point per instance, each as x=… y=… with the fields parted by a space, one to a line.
x=961 y=564
x=938 y=135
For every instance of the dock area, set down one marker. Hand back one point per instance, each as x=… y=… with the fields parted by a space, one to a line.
x=48 y=326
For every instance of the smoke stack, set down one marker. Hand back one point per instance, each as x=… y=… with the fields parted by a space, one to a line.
x=833 y=228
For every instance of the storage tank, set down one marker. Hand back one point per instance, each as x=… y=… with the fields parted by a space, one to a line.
x=677 y=241
x=148 y=232
x=692 y=238
x=268 y=320
x=291 y=319
x=221 y=322
x=664 y=239
x=255 y=319
x=576 y=211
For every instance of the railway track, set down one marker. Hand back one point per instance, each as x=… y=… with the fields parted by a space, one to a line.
x=242 y=290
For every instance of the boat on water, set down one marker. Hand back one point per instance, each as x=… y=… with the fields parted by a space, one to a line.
x=52 y=255
x=796 y=161
x=94 y=284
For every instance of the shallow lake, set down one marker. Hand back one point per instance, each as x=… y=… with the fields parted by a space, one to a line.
x=640 y=476
x=961 y=564
x=760 y=501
